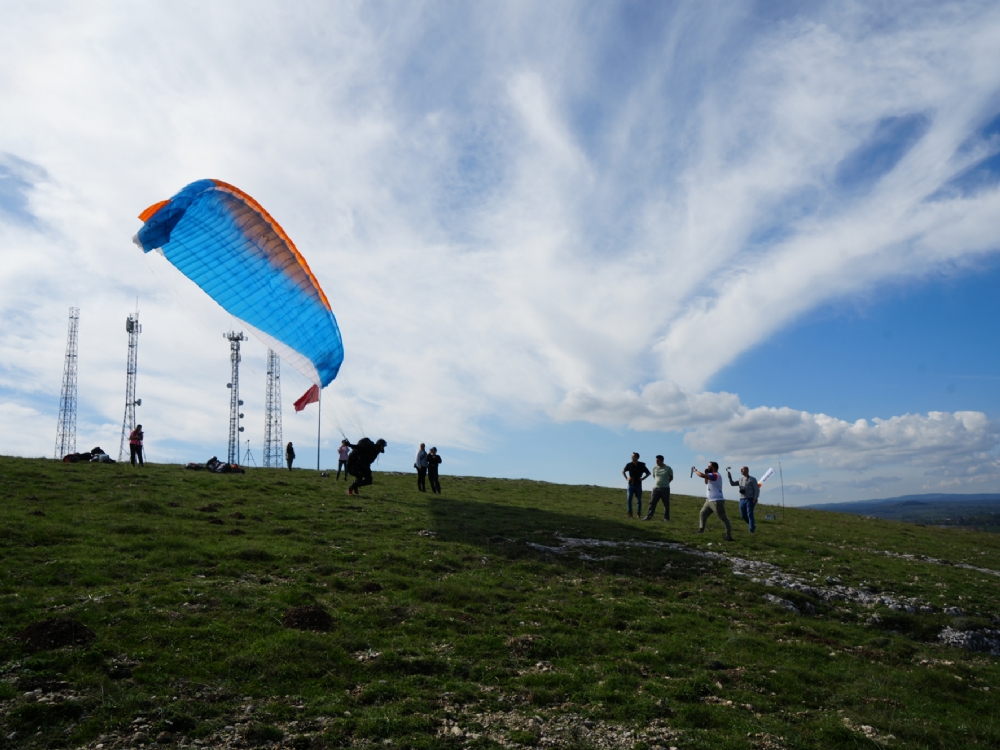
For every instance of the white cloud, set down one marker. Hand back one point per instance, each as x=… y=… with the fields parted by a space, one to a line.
x=933 y=440
x=717 y=424
x=659 y=406
x=514 y=209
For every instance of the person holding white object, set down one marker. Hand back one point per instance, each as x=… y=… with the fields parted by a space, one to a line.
x=749 y=492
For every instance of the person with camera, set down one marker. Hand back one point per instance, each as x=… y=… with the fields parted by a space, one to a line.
x=634 y=472
x=714 y=500
x=749 y=492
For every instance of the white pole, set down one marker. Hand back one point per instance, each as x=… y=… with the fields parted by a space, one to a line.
x=781 y=476
x=319 y=416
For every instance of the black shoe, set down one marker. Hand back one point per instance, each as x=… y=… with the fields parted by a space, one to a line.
x=727 y=537
x=647 y=518
x=700 y=531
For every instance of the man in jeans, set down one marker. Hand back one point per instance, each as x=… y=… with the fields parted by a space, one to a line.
x=749 y=492
x=714 y=500
x=420 y=464
x=634 y=473
x=663 y=475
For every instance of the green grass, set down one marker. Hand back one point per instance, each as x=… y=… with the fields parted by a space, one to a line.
x=452 y=630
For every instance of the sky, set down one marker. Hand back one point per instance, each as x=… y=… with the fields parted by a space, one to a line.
x=552 y=233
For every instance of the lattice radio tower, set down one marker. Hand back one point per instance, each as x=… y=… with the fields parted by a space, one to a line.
x=66 y=428
x=128 y=423
x=273 y=450
x=233 y=457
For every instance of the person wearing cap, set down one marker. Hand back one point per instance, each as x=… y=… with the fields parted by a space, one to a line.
x=634 y=472
x=135 y=445
x=359 y=463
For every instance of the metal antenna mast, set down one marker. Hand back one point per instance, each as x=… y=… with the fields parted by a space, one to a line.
x=235 y=416
x=128 y=423
x=273 y=451
x=66 y=428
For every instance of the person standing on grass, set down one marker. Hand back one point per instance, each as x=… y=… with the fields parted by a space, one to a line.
x=342 y=453
x=420 y=464
x=433 y=461
x=714 y=500
x=749 y=492
x=289 y=455
x=634 y=472
x=663 y=475
x=135 y=445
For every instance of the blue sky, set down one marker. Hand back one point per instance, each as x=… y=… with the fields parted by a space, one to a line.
x=552 y=233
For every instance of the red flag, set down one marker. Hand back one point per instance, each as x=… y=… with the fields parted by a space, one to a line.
x=309 y=397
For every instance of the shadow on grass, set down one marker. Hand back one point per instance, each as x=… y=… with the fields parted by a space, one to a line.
x=519 y=532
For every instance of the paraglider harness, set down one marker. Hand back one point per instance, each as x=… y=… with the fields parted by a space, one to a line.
x=359 y=462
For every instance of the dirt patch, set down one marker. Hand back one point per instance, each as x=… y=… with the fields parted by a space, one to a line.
x=237 y=515
x=209 y=508
x=216 y=521
x=236 y=532
x=55 y=633
x=371 y=587
x=520 y=645
x=307 y=618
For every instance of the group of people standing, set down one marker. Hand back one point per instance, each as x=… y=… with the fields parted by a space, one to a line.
x=426 y=463
x=636 y=471
x=353 y=460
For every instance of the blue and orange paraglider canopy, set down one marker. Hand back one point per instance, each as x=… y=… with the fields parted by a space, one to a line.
x=227 y=244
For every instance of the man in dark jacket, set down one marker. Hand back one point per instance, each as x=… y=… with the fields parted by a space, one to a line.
x=359 y=463
x=289 y=455
x=635 y=471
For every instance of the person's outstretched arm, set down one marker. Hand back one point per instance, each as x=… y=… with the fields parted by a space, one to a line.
x=734 y=484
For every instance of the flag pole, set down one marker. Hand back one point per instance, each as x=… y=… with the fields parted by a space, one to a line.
x=319 y=417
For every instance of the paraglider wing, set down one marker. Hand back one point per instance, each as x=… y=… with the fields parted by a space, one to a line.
x=227 y=244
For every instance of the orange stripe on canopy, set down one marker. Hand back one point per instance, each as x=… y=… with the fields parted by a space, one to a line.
x=277 y=228
x=148 y=213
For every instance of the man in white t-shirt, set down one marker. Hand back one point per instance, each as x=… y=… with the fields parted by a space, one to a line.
x=714 y=501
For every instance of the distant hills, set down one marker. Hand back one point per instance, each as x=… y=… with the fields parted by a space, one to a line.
x=979 y=511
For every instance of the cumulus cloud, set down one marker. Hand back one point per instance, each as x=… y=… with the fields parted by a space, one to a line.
x=657 y=406
x=514 y=208
x=718 y=424
x=936 y=439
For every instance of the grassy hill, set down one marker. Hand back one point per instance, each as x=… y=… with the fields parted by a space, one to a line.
x=500 y=614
